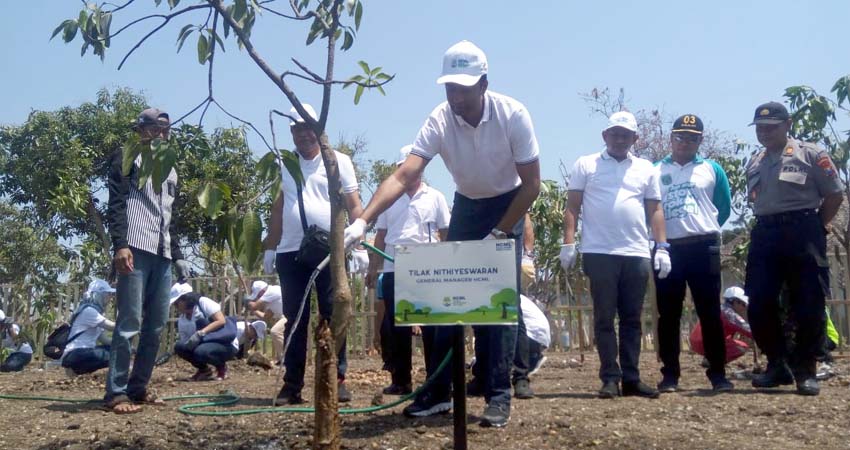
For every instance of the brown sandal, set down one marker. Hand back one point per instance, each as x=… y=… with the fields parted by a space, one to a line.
x=121 y=404
x=149 y=398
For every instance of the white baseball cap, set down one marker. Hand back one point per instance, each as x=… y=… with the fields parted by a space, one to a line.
x=402 y=154
x=257 y=287
x=464 y=64
x=294 y=113
x=623 y=119
x=98 y=285
x=178 y=290
x=260 y=328
x=736 y=293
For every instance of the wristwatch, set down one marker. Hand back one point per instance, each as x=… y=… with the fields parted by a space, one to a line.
x=498 y=234
x=662 y=245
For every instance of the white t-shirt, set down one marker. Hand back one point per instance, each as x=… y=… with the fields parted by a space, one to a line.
x=413 y=220
x=90 y=323
x=482 y=159
x=536 y=323
x=8 y=342
x=273 y=300
x=613 y=217
x=317 y=206
x=205 y=309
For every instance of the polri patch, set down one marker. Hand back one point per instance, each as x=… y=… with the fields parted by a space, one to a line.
x=666 y=179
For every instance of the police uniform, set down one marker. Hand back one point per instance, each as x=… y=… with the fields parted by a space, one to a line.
x=788 y=247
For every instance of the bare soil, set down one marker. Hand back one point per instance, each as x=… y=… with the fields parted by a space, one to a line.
x=564 y=414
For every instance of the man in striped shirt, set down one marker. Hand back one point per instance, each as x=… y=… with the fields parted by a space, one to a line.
x=144 y=245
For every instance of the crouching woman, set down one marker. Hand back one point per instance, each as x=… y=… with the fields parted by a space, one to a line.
x=206 y=338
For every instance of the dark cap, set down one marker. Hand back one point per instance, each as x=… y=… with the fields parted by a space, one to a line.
x=689 y=123
x=770 y=113
x=152 y=116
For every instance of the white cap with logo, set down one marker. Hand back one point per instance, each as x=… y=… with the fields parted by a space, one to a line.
x=257 y=287
x=294 y=113
x=98 y=285
x=736 y=293
x=260 y=327
x=623 y=119
x=177 y=291
x=464 y=64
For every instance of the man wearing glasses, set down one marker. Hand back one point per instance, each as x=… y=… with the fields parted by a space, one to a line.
x=696 y=202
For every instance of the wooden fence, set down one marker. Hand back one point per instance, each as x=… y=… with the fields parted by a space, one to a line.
x=570 y=317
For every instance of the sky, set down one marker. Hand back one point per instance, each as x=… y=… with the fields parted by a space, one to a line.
x=717 y=59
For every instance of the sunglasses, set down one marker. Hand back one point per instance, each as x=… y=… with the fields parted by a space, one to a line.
x=692 y=139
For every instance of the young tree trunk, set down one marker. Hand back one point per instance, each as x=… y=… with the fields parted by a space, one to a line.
x=327 y=414
x=326 y=419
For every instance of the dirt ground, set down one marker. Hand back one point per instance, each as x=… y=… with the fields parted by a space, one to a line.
x=564 y=414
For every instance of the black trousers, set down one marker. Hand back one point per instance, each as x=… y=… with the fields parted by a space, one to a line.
x=399 y=339
x=788 y=250
x=696 y=264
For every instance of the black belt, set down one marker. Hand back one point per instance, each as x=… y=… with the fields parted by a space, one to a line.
x=786 y=217
x=712 y=237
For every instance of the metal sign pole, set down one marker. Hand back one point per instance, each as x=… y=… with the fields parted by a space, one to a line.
x=459 y=393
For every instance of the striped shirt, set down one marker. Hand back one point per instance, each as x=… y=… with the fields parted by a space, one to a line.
x=139 y=217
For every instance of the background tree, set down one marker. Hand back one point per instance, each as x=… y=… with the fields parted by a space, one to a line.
x=503 y=299
x=213 y=21
x=817 y=118
x=404 y=308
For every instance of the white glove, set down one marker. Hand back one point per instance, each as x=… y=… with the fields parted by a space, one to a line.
x=353 y=233
x=662 y=263
x=567 y=256
x=489 y=237
x=268 y=261
x=359 y=262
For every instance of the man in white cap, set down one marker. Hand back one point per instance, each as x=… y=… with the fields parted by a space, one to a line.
x=267 y=304
x=301 y=210
x=488 y=144
x=82 y=353
x=419 y=216
x=617 y=193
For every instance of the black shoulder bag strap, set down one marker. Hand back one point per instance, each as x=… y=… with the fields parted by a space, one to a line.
x=74 y=318
x=301 y=206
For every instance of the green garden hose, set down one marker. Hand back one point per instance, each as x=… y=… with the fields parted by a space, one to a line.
x=228 y=398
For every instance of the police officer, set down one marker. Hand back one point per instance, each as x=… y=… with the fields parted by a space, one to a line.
x=795 y=193
x=696 y=201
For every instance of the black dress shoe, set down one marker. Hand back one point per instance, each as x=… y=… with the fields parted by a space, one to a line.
x=668 y=384
x=610 y=389
x=808 y=386
x=397 y=389
x=776 y=375
x=639 y=389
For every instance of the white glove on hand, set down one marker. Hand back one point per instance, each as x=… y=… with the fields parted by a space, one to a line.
x=662 y=263
x=268 y=261
x=353 y=233
x=489 y=237
x=567 y=256
x=359 y=262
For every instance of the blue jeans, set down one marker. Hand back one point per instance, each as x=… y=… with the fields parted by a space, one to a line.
x=16 y=362
x=142 y=304
x=293 y=278
x=212 y=353
x=87 y=360
x=494 y=344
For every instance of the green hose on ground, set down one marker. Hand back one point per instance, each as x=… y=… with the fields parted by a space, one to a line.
x=229 y=398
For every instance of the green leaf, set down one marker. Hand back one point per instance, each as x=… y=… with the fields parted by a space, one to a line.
x=213 y=197
x=249 y=232
x=348 y=41
x=218 y=39
x=105 y=23
x=70 y=31
x=62 y=27
x=375 y=71
x=240 y=7
x=380 y=89
x=173 y=3
x=358 y=14
x=358 y=93
x=132 y=149
x=203 y=49
x=268 y=168
x=290 y=162
x=364 y=66
x=229 y=12
x=184 y=33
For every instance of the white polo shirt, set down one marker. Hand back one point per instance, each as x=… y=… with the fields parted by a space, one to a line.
x=695 y=197
x=482 y=159
x=317 y=205
x=273 y=300
x=613 y=218
x=413 y=220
